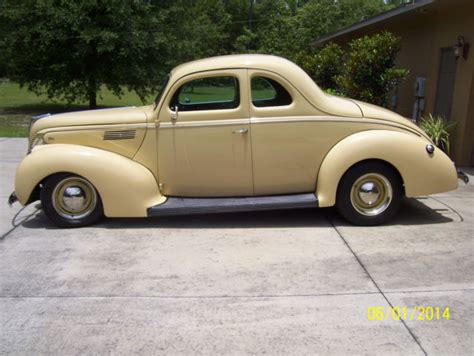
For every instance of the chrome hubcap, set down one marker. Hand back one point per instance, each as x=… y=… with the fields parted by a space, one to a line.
x=371 y=194
x=74 y=198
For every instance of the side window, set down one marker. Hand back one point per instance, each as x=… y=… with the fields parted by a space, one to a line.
x=211 y=93
x=267 y=92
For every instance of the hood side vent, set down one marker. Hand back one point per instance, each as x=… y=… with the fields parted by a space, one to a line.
x=119 y=135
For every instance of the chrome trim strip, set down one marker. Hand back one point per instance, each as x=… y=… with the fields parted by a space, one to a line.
x=119 y=135
x=203 y=123
x=331 y=119
x=282 y=120
x=291 y=119
x=230 y=122
x=37 y=117
x=108 y=127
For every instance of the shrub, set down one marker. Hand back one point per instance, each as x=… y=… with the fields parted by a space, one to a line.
x=324 y=65
x=369 y=72
x=364 y=71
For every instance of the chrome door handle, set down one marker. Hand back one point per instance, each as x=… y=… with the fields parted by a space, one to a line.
x=174 y=114
x=241 y=131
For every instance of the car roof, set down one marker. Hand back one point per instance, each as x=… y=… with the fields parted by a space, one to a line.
x=257 y=61
x=285 y=68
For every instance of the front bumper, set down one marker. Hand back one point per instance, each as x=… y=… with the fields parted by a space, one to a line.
x=463 y=176
x=12 y=199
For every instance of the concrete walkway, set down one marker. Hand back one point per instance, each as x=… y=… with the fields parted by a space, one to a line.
x=288 y=282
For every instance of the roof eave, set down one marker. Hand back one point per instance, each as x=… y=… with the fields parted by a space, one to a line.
x=373 y=20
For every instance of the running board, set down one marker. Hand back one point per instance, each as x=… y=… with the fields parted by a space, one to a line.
x=186 y=206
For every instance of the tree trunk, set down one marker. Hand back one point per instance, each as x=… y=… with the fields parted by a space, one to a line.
x=250 y=15
x=92 y=85
x=92 y=93
x=92 y=100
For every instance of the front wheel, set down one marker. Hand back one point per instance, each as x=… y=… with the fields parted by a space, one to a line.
x=369 y=194
x=70 y=201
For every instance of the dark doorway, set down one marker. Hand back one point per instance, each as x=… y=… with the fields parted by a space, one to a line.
x=446 y=78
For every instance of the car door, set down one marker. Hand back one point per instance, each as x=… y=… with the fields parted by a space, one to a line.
x=203 y=136
x=289 y=136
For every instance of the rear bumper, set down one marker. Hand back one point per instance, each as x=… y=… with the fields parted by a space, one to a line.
x=12 y=199
x=463 y=176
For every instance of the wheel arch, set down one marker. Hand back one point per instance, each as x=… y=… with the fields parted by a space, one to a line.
x=125 y=187
x=375 y=161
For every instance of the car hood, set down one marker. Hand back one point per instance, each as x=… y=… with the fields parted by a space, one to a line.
x=124 y=115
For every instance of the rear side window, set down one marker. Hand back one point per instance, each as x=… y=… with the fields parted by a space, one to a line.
x=268 y=92
x=211 y=93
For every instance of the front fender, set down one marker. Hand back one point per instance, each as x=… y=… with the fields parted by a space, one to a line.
x=421 y=172
x=126 y=187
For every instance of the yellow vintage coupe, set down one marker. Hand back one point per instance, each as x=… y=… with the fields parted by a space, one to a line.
x=230 y=133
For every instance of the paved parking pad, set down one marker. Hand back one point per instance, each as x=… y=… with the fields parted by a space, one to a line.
x=328 y=324
x=266 y=282
x=156 y=259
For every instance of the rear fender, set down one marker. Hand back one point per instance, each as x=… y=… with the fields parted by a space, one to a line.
x=421 y=172
x=126 y=187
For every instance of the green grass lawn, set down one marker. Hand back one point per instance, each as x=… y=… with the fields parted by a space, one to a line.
x=206 y=95
x=17 y=105
x=210 y=94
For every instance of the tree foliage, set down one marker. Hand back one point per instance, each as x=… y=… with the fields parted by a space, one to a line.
x=70 y=48
x=369 y=72
x=365 y=70
x=324 y=66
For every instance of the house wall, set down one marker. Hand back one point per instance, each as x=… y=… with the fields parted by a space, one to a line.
x=424 y=33
x=422 y=41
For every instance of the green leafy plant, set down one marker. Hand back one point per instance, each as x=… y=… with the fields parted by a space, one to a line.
x=438 y=129
x=324 y=65
x=365 y=70
x=369 y=73
x=333 y=92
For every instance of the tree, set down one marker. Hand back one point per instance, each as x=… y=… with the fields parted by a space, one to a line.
x=70 y=48
x=291 y=33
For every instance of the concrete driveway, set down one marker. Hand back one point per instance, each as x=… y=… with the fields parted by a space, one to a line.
x=288 y=282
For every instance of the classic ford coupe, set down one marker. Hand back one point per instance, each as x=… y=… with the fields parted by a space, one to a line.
x=230 y=133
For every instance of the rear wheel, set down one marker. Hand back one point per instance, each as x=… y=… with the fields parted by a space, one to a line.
x=369 y=194
x=70 y=201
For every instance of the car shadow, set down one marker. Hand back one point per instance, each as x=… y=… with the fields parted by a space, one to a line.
x=412 y=212
x=415 y=211
x=257 y=219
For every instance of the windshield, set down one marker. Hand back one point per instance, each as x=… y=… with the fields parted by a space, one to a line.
x=161 y=89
